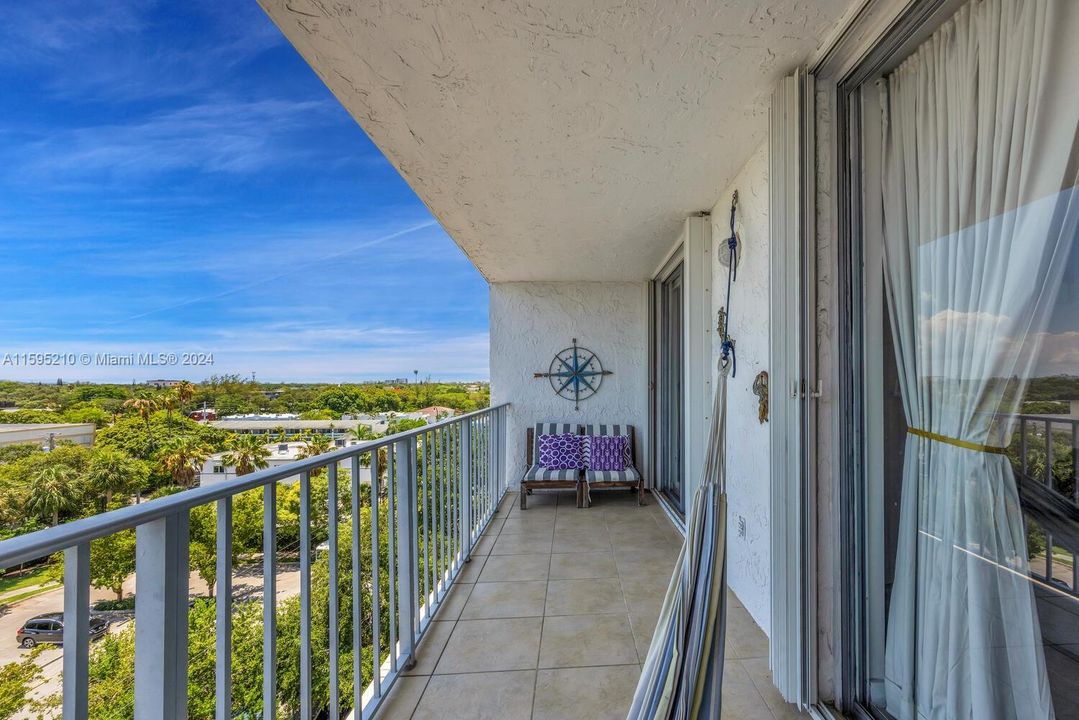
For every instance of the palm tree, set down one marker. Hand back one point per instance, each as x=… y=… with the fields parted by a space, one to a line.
x=184 y=457
x=364 y=432
x=144 y=406
x=51 y=491
x=169 y=402
x=112 y=471
x=184 y=392
x=314 y=445
x=246 y=453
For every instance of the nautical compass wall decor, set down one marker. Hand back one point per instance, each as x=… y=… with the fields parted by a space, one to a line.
x=575 y=374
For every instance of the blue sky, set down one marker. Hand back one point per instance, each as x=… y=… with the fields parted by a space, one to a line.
x=175 y=178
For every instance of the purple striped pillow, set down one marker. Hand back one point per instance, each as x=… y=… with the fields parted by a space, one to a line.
x=560 y=452
x=607 y=452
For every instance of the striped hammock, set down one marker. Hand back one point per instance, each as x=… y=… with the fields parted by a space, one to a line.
x=683 y=675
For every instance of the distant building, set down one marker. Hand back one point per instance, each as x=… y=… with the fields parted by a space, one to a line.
x=331 y=428
x=436 y=412
x=47 y=435
x=163 y=383
x=215 y=470
x=203 y=414
x=263 y=416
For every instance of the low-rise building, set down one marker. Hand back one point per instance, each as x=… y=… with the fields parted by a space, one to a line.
x=47 y=435
x=216 y=470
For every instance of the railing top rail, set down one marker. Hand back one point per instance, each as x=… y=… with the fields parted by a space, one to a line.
x=24 y=548
x=1056 y=419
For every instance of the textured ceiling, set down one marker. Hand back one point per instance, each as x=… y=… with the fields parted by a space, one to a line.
x=559 y=140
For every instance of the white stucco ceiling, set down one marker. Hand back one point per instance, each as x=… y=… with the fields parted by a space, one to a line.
x=566 y=139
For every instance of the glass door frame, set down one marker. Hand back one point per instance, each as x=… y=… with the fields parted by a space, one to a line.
x=659 y=313
x=855 y=359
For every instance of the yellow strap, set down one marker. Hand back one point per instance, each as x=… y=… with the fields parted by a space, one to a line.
x=955 y=441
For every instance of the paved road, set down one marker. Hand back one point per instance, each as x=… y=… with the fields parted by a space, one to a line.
x=245 y=580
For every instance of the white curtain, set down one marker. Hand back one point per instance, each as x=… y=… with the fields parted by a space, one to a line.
x=979 y=173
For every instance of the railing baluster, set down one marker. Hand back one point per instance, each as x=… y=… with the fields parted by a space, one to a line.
x=1023 y=445
x=436 y=534
x=392 y=481
x=466 y=491
x=331 y=520
x=305 y=596
x=376 y=588
x=76 y=631
x=161 y=585
x=426 y=523
x=1049 y=484
x=269 y=601
x=223 y=664
x=407 y=565
x=357 y=596
x=1075 y=495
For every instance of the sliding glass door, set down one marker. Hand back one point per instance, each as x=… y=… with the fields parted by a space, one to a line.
x=970 y=325
x=668 y=381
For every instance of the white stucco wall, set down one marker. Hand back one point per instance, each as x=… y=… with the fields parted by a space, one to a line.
x=748 y=446
x=531 y=321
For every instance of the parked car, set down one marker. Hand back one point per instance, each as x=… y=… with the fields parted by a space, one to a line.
x=49 y=628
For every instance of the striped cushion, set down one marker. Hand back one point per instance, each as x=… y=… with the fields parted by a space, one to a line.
x=628 y=475
x=538 y=472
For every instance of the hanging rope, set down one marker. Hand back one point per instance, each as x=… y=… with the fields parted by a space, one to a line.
x=728 y=358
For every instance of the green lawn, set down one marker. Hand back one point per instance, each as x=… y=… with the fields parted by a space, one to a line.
x=14 y=581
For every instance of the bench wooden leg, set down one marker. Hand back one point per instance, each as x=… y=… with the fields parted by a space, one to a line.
x=524 y=495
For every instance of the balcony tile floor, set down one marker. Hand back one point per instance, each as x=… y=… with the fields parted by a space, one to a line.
x=552 y=619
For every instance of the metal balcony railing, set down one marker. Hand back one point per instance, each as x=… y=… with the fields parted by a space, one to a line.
x=1043 y=493
x=452 y=471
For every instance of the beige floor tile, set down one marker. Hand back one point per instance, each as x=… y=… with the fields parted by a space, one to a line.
x=758 y=671
x=483 y=546
x=741 y=701
x=645 y=560
x=744 y=638
x=583 y=640
x=470 y=571
x=539 y=501
x=522 y=544
x=430 y=648
x=482 y=696
x=643 y=628
x=600 y=693
x=487 y=645
x=578 y=520
x=403 y=698
x=594 y=539
x=644 y=593
x=573 y=566
x=505 y=600
x=454 y=602
x=640 y=535
x=585 y=597
x=504 y=568
x=528 y=521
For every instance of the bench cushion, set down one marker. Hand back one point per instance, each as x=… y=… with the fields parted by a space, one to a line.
x=538 y=472
x=629 y=475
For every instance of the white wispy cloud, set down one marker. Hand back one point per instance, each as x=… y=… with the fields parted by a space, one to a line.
x=222 y=136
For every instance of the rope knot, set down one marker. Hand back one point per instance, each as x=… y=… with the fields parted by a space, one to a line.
x=728 y=357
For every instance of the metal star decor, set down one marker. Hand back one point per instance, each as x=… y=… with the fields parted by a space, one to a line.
x=575 y=374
